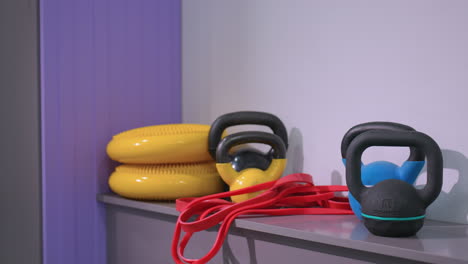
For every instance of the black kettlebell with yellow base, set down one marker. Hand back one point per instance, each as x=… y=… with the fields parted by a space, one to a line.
x=393 y=207
x=252 y=175
x=246 y=157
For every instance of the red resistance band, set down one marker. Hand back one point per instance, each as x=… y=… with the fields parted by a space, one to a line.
x=294 y=194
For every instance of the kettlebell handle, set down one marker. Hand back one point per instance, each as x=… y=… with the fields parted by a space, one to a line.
x=244 y=118
x=415 y=153
x=397 y=139
x=222 y=152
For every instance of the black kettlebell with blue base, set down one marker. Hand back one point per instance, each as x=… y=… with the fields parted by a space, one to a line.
x=378 y=171
x=394 y=207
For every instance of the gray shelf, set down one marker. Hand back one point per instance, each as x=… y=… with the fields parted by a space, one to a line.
x=436 y=242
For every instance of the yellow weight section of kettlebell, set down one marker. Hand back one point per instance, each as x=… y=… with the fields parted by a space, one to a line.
x=173 y=143
x=249 y=177
x=165 y=181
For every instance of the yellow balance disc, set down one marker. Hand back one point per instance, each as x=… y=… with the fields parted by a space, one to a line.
x=174 y=143
x=166 y=181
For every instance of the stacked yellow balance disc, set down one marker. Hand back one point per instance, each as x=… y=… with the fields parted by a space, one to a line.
x=163 y=162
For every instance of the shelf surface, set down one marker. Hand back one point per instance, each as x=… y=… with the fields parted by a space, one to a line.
x=436 y=242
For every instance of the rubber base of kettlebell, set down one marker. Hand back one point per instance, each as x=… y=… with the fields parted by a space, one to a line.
x=388 y=228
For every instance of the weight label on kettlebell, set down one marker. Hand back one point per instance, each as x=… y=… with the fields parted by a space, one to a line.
x=387 y=204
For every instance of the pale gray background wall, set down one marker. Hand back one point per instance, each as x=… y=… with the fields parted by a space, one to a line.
x=324 y=66
x=20 y=200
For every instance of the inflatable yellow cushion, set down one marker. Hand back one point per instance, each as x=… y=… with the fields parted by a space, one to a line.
x=174 y=143
x=166 y=181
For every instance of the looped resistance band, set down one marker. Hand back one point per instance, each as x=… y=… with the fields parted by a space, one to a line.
x=294 y=194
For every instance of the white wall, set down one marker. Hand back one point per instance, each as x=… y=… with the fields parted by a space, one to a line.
x=324 y=66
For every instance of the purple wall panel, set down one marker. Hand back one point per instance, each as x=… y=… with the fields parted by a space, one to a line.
x=106 y=66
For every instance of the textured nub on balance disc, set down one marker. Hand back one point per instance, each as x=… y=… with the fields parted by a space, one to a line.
x=160 y=144
x=165 y=181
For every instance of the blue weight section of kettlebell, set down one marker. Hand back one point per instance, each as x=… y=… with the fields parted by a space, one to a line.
x=378 y=171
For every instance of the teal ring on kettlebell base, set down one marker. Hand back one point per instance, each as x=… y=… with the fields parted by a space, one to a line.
x=393 y=218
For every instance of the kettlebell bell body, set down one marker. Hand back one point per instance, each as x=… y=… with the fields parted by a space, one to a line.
x=393 y=207
x=249 y=176
x=377 y=171
x=246 y=157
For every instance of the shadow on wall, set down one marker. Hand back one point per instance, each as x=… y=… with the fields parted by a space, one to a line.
x=452 y=206
x=336 y=178
x=295 y=153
